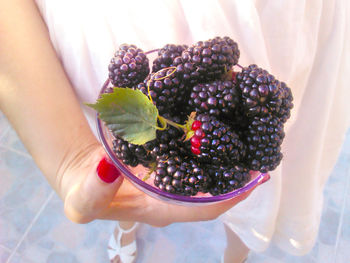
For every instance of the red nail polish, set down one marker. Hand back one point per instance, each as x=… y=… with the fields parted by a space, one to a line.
x=107 y=171
x=265 y=179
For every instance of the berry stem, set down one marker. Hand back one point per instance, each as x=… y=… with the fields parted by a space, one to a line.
x=148 y=90
x=186 y=128
x=174 y=124
x=151 y=51
x=163 y=122
x=152 y=168
x=239 y=66
x=154 y=77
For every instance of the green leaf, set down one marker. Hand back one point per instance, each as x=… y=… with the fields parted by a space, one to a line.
x=129 y=114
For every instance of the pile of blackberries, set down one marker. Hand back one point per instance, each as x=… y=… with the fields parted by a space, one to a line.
x=239 y=115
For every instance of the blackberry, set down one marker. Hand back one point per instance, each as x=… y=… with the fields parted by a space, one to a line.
x=131 y=154
x=287 y=103
x=181 y=176
x=163 y=146
x=166 y=90
x=238 y=121
x=196 y=177
x=214 y=142
x=166 y=55
x=261 y=92
x=218 y=98
x=207 y=60
x=227 y=178
x=167 y=141
x=128 y=67
x=263 y=139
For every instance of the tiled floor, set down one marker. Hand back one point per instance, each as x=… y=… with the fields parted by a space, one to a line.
x=33 y=228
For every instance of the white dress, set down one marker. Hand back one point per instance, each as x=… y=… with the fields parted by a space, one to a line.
x=304 y=43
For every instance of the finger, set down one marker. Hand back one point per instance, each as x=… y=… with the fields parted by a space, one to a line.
x=230 y=203
x=226 y=205
x=211 y=212
x=85 y=201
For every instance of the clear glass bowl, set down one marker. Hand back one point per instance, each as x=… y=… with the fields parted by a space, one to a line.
x=135 y=175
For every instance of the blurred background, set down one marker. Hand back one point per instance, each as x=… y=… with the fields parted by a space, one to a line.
x=34 y=229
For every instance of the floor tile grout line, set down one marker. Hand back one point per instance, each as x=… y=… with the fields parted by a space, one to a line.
x=30 y=226
x=7 y=129
x=5 y=248
x=16 y=151
x=342 y=214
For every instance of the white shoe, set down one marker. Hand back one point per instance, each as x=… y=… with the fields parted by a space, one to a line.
x=117 y=253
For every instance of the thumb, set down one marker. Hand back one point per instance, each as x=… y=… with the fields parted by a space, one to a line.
x=95 y=192
x=243 y=196
x=228 y=204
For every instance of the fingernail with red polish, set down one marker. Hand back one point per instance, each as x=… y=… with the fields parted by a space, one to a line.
x=265 y=179
x=107 y=171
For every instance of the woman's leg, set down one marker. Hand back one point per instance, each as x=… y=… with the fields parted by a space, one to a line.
x=236 y=251
x=122 y=250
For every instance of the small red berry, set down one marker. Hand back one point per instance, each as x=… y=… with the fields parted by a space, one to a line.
x=234 y=76
x=196 y=125
x=195 y=150
x=195 y=142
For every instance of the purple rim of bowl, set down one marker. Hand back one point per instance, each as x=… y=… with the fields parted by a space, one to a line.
x=186 y=199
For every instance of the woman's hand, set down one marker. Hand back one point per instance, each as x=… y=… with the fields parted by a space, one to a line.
x=88 y=197
x=39 y=101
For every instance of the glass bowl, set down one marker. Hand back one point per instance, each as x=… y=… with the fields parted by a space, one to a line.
x=135 y=175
